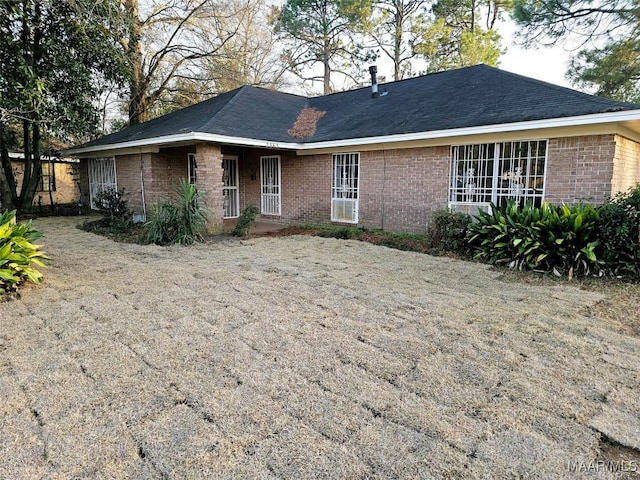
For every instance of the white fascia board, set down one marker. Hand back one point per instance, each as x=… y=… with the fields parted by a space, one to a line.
x=182 y=138
x=599 y=118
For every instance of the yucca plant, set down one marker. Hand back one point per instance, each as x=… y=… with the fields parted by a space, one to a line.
x=181 y=220
x=18 y=253
x=162 y=225
x=192 y=213
x=558 y=239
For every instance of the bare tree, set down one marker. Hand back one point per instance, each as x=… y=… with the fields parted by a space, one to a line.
x=252 y=56
x=166 y=46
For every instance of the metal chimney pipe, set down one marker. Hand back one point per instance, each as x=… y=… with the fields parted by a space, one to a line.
x=374 y=81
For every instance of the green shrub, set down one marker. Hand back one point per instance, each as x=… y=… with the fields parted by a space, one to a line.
x=342 y=233
x=113 y=206
x=161 y=227
x=181 y=220
x=245 y=220
x=18 y=253
x=558 y=239
x=448 y=231
x=619 y=234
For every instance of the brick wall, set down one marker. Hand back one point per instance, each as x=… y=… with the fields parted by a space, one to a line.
x=209 y=161
x=399 y=189
x=128 y=172
x=157 y=173
x=626 y=165
x=167 y=166
x=306 y=188
x=306 y=185
x=580 y=169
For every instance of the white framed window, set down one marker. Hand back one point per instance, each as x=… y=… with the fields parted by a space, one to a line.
x=231 y=201
x=345 y=187
x=192 y=168
x=494 y=172
x=102 y=177
x=270 y=168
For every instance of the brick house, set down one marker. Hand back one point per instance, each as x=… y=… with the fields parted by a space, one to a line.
x=381 y=157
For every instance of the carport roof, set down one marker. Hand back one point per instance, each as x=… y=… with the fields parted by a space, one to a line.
x=468 y=97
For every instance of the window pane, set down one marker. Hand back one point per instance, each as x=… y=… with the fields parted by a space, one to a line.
x=495 y=172
x=192 y=168
x=345 y=186
x=521 y=168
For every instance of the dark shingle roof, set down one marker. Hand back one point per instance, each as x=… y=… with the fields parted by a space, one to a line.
x=248 y=112
x=466 y=97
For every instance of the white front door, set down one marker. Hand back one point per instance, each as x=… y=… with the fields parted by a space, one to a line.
x=230 y=187
x=270 y=181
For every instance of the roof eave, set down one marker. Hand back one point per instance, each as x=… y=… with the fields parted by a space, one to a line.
x=619 y=117
x=191 y=137
x=582 y=120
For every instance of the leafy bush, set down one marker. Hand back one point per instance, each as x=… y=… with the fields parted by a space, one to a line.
x=18 y=253
x=342 y=233
x=619 y=234
x=558 y=239
x=181 y=220
x=113 y=206
x=245 y=220
x=448 y=231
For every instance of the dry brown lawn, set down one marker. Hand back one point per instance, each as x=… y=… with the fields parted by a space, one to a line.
x=304 y=357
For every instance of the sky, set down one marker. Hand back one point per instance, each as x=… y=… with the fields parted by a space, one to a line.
x=549 y=64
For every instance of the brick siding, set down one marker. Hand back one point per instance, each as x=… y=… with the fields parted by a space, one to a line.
x=399 y=189
x=306 y=185
x=626 y=165
x=128 y=172
x=209 y=171
x=580 y=169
